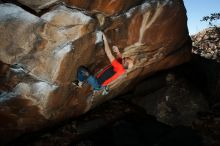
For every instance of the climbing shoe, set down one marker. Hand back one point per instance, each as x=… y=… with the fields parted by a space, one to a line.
x=105 y=90
x=77 y=83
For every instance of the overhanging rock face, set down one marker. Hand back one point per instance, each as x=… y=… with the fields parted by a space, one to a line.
x=40 y=55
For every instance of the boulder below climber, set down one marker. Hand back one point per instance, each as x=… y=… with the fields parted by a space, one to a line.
x=175 y=102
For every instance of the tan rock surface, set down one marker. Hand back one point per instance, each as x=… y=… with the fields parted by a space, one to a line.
x=110 y=7
x=38 y=5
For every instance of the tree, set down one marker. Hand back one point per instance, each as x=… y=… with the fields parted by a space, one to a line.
x=211 y=18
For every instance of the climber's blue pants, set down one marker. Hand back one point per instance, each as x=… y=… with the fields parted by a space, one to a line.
x=84 y=75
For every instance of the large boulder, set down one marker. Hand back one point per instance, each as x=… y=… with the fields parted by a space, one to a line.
x=40 y=55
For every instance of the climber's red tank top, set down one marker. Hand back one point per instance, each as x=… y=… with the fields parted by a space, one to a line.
x=111 y=72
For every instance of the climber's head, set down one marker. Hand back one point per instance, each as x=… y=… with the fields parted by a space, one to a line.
x=127 y=62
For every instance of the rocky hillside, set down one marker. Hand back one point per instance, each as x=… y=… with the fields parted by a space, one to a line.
x=207 y=43
x=44 y=42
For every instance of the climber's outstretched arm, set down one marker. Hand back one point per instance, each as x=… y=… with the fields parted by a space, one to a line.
x=107 y=49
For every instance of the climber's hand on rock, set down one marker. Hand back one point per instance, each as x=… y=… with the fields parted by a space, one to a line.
x=115 y=49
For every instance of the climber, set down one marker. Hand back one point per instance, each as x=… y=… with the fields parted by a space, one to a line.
x=107 y=75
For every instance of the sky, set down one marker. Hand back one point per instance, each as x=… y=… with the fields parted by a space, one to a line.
x=196 y=9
